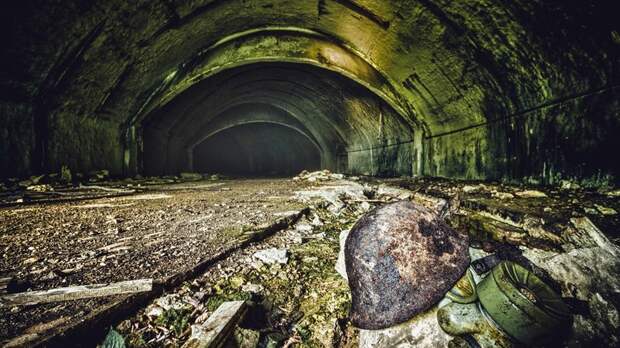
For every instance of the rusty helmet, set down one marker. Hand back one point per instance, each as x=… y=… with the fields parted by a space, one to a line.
x=401 y=259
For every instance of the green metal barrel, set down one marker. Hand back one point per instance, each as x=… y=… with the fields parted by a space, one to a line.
x=521 y=304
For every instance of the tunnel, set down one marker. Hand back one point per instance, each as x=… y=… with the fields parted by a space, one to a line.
x=262 y=149
x=160 y=139
x=474 y=90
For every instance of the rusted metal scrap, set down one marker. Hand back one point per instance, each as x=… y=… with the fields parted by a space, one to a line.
x=401 y=259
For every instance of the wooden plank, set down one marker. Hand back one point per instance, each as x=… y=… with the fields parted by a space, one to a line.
x=214 y=332
x=76 y=292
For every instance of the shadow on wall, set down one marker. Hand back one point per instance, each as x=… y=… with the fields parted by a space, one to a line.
x=257 y=149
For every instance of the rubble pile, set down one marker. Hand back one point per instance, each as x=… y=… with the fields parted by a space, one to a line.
x=295 y=283
x=318 y=176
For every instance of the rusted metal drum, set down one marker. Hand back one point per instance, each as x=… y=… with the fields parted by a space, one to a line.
x=401 y=259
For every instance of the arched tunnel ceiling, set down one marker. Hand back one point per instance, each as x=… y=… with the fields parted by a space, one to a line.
x=465 y=72
x=341 y=115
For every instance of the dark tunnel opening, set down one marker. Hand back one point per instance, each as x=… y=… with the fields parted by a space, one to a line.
x=257 y=149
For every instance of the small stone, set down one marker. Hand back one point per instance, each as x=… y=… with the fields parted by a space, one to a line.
x=99 y=174
x=471 y=189
x=30 y=261
x=569 y=185
x=245 y=338
x=272 y=255
x=172 y=301
x=365 y=206
x=253 y=288
x=591 y=211
x=531 y=194
x=191 y=176
x=503 y=195
x=40 y=188
x=340 y=263
x=605 y=210
x=615 y=193
x=51 y=275
x=25 y=183
x=316 y=221
x=303 y=227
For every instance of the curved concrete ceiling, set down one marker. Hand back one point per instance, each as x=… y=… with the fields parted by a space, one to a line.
x=494 y=85
x=343 y=115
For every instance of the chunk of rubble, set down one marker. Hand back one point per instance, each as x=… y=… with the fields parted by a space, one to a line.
x=472 y=189
x=615 y=193
x=340 y=263
x=531 y=194
x=334 y=195
x=40 y=188
x=569 y=185
x=605 y=210
x=98 y=175
x=421 y=331
x=191 y=176
x=322 y=175
x=272 y=255
x=503 y=195
x=165 y=303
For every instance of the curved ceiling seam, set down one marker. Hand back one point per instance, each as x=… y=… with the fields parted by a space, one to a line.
x=214 y=106
x=279 y=108
x=336 y=39
x=406 y=112
x=319 y=148
x=309 y=88
x=205 y=102
x=399 y=109
x=212 y=91
x=285 y=102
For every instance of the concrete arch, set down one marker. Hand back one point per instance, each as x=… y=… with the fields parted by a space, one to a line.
x=341 y=114
x=282 y=45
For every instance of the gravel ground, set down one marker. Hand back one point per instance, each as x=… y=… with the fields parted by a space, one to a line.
x=152 y=234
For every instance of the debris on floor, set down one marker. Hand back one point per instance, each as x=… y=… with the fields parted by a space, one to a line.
x=293 y=282
x=272 y=255
x=218 y=327
x=76 y=292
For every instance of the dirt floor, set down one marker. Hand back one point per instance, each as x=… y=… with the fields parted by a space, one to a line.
x=155 y=233
x=161 y=230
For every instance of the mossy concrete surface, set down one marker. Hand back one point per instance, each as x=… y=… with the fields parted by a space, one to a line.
x=497 y=89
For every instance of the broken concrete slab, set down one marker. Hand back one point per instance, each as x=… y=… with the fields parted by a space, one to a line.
x=272 y=255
